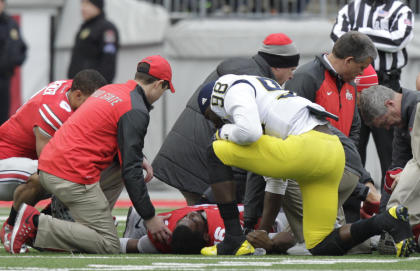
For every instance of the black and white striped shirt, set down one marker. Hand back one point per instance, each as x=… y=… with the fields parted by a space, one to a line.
x=388 y=23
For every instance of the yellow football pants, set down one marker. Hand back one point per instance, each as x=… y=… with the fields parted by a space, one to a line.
x=314 y=159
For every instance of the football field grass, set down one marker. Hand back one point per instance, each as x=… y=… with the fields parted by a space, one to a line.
x=48 y=261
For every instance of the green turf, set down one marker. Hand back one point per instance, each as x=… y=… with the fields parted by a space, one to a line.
x=62 y=261
x=40 y=261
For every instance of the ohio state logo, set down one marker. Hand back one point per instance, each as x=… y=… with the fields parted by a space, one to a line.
x=349 y=96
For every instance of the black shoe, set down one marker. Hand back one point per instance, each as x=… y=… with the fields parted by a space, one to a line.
x=395 y=222
x=405 y=247
x=230 y=245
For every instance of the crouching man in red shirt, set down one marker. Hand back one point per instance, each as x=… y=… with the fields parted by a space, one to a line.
x=112 y=121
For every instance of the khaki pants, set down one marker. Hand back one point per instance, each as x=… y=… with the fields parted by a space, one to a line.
x=407 y=191
x=111 y=183
x=292 y=202
x=94 y=230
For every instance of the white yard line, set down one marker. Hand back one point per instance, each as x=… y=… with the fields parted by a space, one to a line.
x=277 y=260
x=120 y=218
x=239 y=263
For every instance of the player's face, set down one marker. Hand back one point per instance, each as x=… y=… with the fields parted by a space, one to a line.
x=352 y=69
x=194 y=221
x=283 y=74
x=89 y=10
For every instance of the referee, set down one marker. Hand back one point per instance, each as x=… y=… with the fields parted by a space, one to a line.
x=389 y=24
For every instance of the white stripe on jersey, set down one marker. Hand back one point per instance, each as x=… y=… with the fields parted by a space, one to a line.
x=52 y=115
x=12 y=179
x=47 y=120
x=366 y=85
x=24 y=173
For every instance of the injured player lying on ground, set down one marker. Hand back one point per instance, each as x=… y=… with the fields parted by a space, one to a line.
x=198 y=226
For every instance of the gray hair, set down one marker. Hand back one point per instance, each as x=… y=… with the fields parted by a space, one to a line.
x=355 y=44
x=372 y=102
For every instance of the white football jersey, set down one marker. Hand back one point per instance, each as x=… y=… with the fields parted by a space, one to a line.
x=254 y=105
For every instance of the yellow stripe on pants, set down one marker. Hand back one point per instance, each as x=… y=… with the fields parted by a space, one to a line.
x=314 y=159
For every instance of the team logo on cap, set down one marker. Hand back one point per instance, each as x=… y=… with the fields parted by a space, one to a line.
x=203 y=101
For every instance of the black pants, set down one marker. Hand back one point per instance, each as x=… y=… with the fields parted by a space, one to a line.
x=4 y=99
x=383 y=142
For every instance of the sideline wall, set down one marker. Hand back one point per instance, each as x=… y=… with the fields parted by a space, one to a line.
x=195 y=47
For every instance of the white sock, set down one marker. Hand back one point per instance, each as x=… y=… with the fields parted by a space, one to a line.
x=123 y=245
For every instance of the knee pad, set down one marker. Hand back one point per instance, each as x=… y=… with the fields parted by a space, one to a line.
x=332 y=245
x=218 y=172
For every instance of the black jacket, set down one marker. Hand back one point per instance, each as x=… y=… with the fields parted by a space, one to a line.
x=182 y=160
x=132 y=128
x=401 y=145
x=96 y=46
x=12 y=47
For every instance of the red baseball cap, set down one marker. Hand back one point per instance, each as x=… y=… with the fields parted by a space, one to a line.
x=159 y=68
x=367 y=79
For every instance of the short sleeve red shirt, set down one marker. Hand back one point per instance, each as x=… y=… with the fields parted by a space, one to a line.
x=48 y=109
x=86 y=144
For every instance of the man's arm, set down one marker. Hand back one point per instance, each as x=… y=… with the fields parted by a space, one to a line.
x=354 y=133
x=142 y=245
x=342 y=24
x=14 y=49
x=132 y=128
x=41 y=139
x=397 y=36
x=401 y=149
x=109 y=46
x=239 y=102
x=253 y=200
x=274 y=243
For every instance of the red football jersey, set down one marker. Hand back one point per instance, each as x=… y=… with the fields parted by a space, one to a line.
x=87 y=142
x=216 y=227
x=47 y=109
